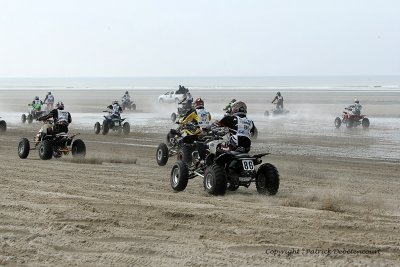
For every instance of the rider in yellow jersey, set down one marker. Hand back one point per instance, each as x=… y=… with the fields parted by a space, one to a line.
x=199 y=116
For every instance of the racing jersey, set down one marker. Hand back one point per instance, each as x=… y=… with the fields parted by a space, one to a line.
x=200 y=116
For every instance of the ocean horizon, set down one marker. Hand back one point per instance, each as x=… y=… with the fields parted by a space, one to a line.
x=362 y=82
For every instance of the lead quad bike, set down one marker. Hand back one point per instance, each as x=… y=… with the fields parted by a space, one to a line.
x=3 y=126
x=225 y=170
x=179 y=142
x=112 y=123
x=352 y=120
x=52 y=145
x=33 y=114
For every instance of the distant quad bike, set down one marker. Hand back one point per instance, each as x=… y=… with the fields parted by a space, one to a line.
x=128 y=104
x=352 y=120
x=179 y=143
x=112 y=123
x=225 y=170
x=32 y=115
x=276 y=112
x=3 y=126
x=52 y=145
x=182 y=111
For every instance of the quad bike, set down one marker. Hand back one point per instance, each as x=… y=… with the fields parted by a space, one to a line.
x=52 y=145
x=3 y=126
x=175 y=145
x=32 y=115
x=276 y=112
x=352 y=120
x=112 y=123
x=128 y=104
x=182 y=111
x=224 y=170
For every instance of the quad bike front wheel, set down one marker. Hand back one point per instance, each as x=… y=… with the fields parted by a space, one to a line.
x=365 y=123
x=3 y=126
x=126 y=128
x=45 y=150
x=162 y=154
x=173 y=117
x=215 y=180
x=30 y=118
x=179 y=176
x=133 y=106
x=338 y=122
x=97 y=128
x=23 y=148
x=267 y=179
x=106 y=127
x=78 y=149
x=23 y=118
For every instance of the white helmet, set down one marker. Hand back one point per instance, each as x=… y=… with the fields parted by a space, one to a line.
x=356 y=101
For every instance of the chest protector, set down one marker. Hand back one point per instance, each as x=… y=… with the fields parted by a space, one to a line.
x=203 y=118
x=244 y=126
x=50 y=99
x=115 y=110
x=62 y=117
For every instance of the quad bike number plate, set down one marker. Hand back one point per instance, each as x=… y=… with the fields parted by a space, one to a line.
x=248 y=165
x=116 y=123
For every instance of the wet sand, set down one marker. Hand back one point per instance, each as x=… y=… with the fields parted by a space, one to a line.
x=117 y=207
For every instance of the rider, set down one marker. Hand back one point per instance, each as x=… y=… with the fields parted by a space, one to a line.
x=126 y=97
x=199 y=116
x=187 y=101
x=37 y=104
x=240 y=128
x=61 y=120
x=115 y=110
x=49 y=100
x=279 y=99
x=355 y=109
x=228 y=108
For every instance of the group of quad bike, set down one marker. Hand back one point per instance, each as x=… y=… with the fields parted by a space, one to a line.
x=200 y=155
x=60 y=144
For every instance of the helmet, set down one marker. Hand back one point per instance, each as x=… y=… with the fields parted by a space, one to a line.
x=60 y=105
x=36 y=98
x=356 y=101
x=199 y=103
x=126 y=92
x=239 y=107
x=115 y=102
x=49 y=93
x=278 y=94
x=233 y=100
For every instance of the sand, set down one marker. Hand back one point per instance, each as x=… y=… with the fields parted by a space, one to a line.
x=338 y=202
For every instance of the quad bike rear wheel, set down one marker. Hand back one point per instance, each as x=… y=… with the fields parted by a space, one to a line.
x=266 y=113
x=45 y=150
x=185 y=153
x=267 y=179
x=126 y=128
x=30 y=118
x=23 y=148
x=106 y=127
x=97 y=128
x=215 y=180
x=365 y=123
x=338 y=122
x=179 y=176
x=173 y=117
x=23 y=118
x=162 y=154
x=3 y=126
x=78 y=149
x=133 y=106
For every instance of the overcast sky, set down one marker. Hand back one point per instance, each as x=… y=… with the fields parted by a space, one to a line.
x=48 y=38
